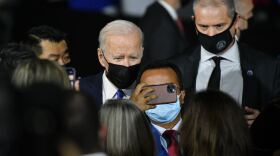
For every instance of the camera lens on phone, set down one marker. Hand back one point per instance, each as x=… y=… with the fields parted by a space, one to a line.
x=171 y=88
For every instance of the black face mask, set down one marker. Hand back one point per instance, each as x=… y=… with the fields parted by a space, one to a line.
x=122 y=76
x=217 y=43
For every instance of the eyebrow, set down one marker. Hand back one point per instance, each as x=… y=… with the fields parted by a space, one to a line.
x=212 y=25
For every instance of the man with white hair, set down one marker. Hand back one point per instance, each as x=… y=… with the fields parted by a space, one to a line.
x=120 y=52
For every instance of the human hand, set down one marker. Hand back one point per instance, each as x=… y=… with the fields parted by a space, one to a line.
x=141 y=96
x=77 y=85
x=251 y=115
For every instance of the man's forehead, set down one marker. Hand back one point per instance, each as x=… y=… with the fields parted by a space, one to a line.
x=159 y=75
x=124 y=53
x=123 y=50
x=205 y=14
x=48 y=41
x=48 y=45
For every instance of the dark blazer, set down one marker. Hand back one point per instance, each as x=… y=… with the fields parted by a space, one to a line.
x=160 y=150
x=92 y=86
x=261 y=75
x=265 y=132
x=162 y=37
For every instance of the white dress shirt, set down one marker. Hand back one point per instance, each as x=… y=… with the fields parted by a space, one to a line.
x=95 y=154
x=172 y=12
x=231 y=74
x=161 y=130
x=109 y=89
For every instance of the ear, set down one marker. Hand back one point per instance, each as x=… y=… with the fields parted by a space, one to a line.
x=182 y=97
x=101 y=58
x=142 y=50
x=237 y=22
x=192 y=18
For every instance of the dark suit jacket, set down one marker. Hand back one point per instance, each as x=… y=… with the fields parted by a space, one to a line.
x=261 y=75
x=162 y=37
x=265 y=130
x=160 y=150
x=92 y=86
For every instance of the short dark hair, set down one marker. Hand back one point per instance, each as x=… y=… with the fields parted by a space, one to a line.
x=43 y=32
x=159 y=65
x=12 y=54
x=39 y=70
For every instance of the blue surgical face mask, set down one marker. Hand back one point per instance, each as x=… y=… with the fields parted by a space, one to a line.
x=164 y=113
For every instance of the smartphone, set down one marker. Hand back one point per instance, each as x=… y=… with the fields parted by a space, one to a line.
x=71 y=71
x=166 y=93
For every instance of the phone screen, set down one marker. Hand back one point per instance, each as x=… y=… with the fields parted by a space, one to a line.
x=71 y=71
x=166 y=93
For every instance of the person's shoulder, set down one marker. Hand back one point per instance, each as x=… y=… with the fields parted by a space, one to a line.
x=155 y=5
x=254 y=53
x=92 y=79
x=154 y=12
x=188 y=55
x=258 y=58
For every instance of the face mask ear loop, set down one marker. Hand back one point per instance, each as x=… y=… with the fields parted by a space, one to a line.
x=104 y=57
x=232 y=22
x=179 y=95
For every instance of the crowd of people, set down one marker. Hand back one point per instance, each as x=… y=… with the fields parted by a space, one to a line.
x=159 y=94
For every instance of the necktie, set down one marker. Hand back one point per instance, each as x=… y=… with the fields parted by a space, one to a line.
x=214 y=81
x=172 y=143
x=120 y=94
x=180 y=25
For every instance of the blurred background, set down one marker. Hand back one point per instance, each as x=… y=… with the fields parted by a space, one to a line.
x=83 y=19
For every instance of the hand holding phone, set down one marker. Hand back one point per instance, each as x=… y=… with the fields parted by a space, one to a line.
x=140 y=96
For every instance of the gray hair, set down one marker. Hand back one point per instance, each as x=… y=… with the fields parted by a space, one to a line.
x=118 y=27
x=229 y=4
x=128 y=129
x=40 y=71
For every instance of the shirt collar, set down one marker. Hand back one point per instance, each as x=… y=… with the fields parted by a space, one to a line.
x=232 y=54
x=110 y=89
x=162 y=130
x=172 y=12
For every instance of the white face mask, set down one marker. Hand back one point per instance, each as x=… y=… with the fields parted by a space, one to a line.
x=165 y=113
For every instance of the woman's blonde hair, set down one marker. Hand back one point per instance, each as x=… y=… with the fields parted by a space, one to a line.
x=128 y=130
x=40 y=71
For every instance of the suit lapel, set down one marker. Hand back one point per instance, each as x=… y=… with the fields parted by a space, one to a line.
x=250 y=83
x=160 y=150
x=194 y=63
